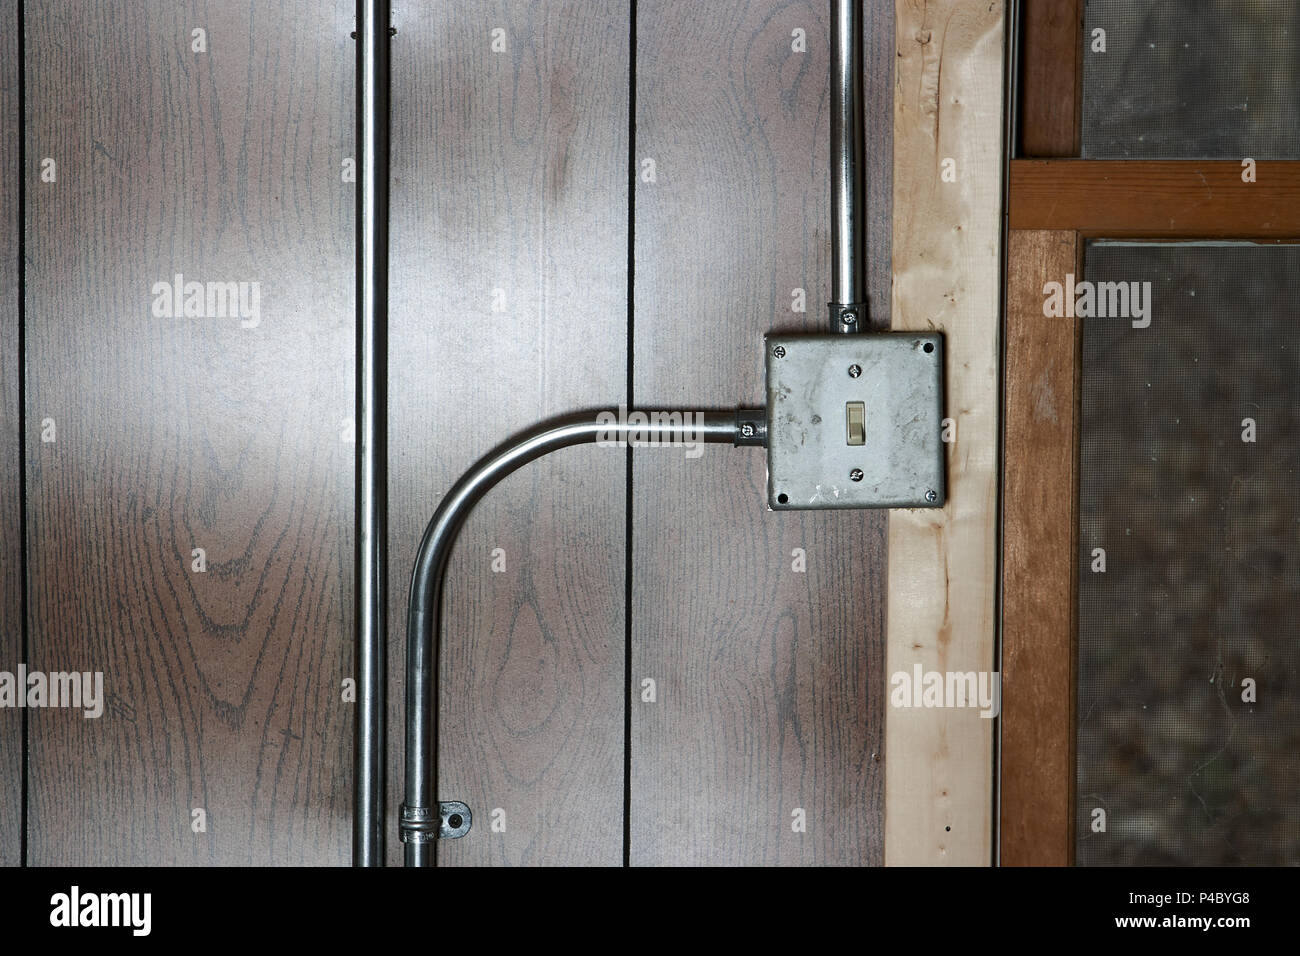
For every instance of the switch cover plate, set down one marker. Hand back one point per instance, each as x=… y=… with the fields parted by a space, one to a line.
x=815 y=382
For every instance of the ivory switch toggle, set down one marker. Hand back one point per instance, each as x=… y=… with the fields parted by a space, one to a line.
x=856 y=414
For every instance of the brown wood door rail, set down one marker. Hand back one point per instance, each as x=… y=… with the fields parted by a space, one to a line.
x=1157 y=199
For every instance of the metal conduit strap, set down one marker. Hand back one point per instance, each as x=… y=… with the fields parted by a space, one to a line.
x=422 y=818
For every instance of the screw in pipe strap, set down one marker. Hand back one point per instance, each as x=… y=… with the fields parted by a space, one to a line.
x=422 y=825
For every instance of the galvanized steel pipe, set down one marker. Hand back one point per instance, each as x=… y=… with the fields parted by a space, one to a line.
x=848 y=306
x=419 y=822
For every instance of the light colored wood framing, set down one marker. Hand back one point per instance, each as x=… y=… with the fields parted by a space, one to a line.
x=1039 y=503
x=948 y=104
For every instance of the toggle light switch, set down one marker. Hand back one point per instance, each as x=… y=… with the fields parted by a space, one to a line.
x=825 y=451
x=856 y=414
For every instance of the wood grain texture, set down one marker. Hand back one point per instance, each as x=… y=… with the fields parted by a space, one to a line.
x=1156 y=199
x=1051 y=77
x=1040 y=449
x=510 y=189
x=222 y=688
x=943 y=563
x=769 y=682
x=11 y=721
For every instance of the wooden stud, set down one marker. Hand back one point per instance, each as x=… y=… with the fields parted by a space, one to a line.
x=943 y=563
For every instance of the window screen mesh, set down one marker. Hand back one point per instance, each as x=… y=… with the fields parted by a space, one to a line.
x=1188 y=478
x=1192 y=79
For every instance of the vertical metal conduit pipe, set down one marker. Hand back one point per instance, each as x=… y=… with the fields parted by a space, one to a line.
x=848 y=308
x=371 y=429
x=421 y=820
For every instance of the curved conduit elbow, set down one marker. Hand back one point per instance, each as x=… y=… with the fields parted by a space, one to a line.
x=422 y=817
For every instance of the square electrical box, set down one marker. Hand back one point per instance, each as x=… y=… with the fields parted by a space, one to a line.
x=855 y=421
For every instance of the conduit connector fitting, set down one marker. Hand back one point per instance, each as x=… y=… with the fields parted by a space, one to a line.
x=849 y=317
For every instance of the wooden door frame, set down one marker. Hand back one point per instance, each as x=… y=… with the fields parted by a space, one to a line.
x=1055 y=202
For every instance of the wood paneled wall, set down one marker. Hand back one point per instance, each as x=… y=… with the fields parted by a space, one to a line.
x=11 y=632
x=510 y=279
x=769 y=679
x=537 y=267
x=152 y=435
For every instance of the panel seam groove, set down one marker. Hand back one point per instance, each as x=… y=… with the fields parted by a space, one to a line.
x=627 y=543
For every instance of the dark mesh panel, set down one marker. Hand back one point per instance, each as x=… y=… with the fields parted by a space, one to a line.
x=1201 y=532
x=1192 y=79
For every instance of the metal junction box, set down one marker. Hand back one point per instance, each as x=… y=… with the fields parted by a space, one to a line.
x=855 y=421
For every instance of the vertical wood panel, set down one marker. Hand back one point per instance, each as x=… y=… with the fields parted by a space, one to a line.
x=943 y=564
x=510 y=181
x=223 y=687
x=11 y=721
x=1051 y=76
x=1038 y=613
x=769 y=681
